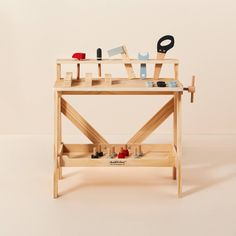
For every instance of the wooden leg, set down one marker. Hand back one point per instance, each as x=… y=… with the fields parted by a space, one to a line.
x=57 y=141
x=179 y=179
x=55 y=183
x=175 y=133
x=178 y=142
x=60 y=172
x=174 y=173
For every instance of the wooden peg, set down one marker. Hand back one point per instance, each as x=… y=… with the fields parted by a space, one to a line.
x=68 y=79
x=99 y=70
x=88 y=79
x=78 y=71
x=108 y=151
x=99 y=148
x=94 y=151
x=140 y=153
x=108 y=80
x=191 y=89
x=135 y=154
x=113 y=153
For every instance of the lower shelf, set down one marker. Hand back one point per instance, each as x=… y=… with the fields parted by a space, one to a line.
x=155 y=155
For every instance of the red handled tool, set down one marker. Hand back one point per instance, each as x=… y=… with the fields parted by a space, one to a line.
x=79 y=55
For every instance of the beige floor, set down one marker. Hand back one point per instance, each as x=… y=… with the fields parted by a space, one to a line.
x=118 y=201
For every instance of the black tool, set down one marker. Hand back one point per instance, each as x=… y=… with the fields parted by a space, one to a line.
x=161 y=84
x=99 y=57
x=161 y=52
x=99 y=54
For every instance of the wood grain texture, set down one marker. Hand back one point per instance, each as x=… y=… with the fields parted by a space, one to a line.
x=159 y=155
x=57 y=140
x=157 y=68
x=153 y=123
x=117 y=61
x=81 y=123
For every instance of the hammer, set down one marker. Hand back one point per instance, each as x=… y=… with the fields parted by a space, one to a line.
x=123 y=51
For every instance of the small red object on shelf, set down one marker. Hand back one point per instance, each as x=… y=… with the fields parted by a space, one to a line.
x=79 y=55
x=126 y=151
x=121 y=153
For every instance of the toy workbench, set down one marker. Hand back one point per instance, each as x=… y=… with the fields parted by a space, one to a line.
x=134 y=153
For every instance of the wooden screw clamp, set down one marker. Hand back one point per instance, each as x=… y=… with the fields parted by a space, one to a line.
x=191 y=89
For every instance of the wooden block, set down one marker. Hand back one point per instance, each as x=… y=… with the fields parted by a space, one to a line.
x=94 y=151
x=88 y=80
x=68 y=79
x=108 y=80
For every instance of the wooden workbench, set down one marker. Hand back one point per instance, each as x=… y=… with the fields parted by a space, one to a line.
x=155 y=155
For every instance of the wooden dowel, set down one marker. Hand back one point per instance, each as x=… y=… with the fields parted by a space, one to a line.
x=99 y=70
x=78 y=71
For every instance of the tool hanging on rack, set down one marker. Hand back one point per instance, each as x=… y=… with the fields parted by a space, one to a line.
x=143 y=67
x=124 y=53
x=161 y=52
x=99 y=57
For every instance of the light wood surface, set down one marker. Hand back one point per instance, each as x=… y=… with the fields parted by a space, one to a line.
x=158 y=155
x=152 y=155
x=118 y=84
x=178 y=142
x=117 y=61
x=57 y=140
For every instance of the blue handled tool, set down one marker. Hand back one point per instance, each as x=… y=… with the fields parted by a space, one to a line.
x=143 y=67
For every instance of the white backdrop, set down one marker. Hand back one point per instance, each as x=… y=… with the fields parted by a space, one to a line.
x=35 y=33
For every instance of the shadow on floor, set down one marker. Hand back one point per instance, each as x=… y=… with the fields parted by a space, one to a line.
x=206 y=167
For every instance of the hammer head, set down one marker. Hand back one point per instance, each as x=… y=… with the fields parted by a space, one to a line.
x=116 y=51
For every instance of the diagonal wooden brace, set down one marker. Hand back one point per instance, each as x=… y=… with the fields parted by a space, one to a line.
x=153 y=123
x=81 y=123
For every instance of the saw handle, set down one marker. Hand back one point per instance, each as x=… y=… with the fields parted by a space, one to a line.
x=165 y=48
x=191 y=89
